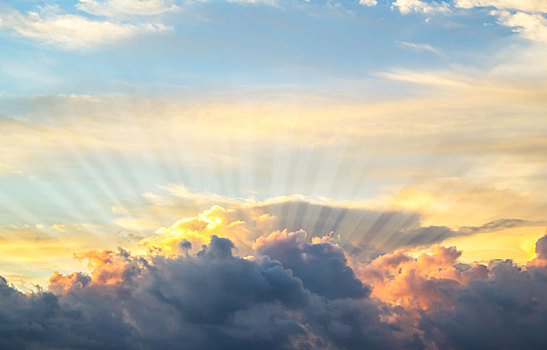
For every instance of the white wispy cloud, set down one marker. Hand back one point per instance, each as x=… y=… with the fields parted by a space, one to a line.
x=408 y=6
x=418 y=46
x=52 y=26
x=271 y=3
x=122 y=8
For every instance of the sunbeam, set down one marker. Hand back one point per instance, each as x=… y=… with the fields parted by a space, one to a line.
x=273 y=174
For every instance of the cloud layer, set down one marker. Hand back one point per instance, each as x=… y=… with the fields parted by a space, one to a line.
x=293 y=294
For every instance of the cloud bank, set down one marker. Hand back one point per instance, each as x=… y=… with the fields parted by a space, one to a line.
x=293 y=294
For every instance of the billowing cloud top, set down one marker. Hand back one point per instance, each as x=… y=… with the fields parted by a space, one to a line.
x=283 y=174
x=282 y=298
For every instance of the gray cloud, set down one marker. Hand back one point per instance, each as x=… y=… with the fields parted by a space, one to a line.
x=499 y=225
x=210 y=300
x=506 y=311
x=321 y=267
x=294 y=295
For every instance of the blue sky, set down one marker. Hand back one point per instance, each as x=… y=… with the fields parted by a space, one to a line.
x=273 y=174
x=223 y=46
x=122 y=117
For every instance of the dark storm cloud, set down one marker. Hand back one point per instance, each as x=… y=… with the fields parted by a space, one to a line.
x=507 y=311
x=321 y=267
x=541 y=248
x=212 y=300
x=286 y=298
x=40 y=321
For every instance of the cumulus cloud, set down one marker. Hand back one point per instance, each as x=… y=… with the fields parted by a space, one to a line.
x=363 y=232
x=541 y=252
x=322 y=266
x=505 y=311
x=282 y=298
x=211 y=299
x=460 y=306
x=520 y=5
x=525 y=17
x=531 y=26
x=418 y=283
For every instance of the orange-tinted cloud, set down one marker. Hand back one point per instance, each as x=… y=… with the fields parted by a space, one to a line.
x=293 y=294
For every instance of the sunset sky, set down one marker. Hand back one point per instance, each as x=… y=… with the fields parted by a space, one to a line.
x=383 y=163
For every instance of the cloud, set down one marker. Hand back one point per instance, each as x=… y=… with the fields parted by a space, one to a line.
x=408 y=6
x=62 y=284
x=214 y=299
x=525 y=17
x=503 y=312
x=541 y=253
x=208 y=300
x=500 y=224
x=529 y=26
x=460 y=306
x=519 y=5
x=364 y=231
x=419 y=47
x=272 y=3
x=368 y=2
x=123 y=8
x=8 y=169
x=51 y=26
x=449 y=134
x=322 y=267
x=408 y=218
x=415 y=283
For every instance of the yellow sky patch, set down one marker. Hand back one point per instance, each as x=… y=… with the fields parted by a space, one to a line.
x=517 y=244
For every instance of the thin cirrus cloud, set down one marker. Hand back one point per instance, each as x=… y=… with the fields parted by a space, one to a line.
x=126 y=19
x=71 y=31
x=125 y=8
x=419 y=46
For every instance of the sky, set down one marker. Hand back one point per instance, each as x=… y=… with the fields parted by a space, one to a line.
x=273 y=174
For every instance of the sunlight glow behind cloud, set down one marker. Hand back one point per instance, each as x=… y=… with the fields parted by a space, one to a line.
x=273 y=174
